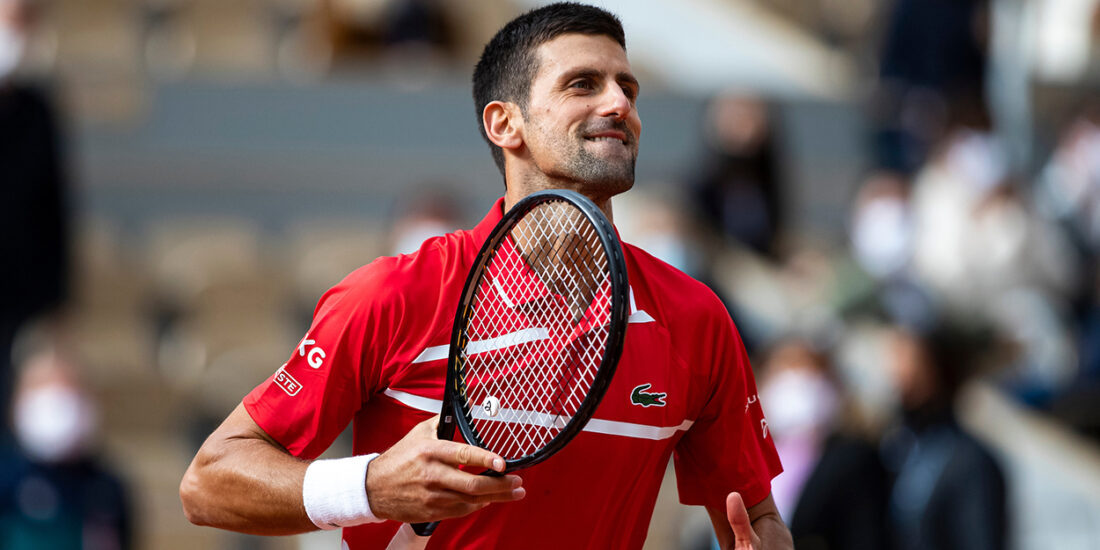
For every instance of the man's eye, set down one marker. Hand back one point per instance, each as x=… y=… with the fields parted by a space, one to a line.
x=582 y=84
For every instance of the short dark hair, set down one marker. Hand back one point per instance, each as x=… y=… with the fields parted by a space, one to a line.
x=508 y=63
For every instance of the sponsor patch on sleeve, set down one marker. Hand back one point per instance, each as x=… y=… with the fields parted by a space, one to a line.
x=284 y=380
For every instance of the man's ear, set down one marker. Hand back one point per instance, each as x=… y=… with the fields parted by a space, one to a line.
x=503 y=124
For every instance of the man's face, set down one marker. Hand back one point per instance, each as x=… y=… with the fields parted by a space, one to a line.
x=581 y=123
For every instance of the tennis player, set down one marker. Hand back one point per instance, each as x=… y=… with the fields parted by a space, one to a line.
x=555 y=98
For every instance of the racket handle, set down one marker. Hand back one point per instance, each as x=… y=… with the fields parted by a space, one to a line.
x=407 y=539
x=425 y=529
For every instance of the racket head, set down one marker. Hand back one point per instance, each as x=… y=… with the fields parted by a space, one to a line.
x=539 y=329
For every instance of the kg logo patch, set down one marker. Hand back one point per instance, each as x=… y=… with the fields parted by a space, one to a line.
x=646 y=399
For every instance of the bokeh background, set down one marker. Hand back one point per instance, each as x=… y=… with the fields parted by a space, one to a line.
x=848 y=175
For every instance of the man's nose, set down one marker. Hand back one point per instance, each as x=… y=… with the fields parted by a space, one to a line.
x=615 y=102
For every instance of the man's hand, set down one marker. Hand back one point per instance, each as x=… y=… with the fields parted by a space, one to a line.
x=418 y=479
x=756 y=528
x=744 y=536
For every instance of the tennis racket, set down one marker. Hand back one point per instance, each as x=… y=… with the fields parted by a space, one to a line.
x=537 y=335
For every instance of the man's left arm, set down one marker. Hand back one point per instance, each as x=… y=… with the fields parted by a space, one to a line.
x=757 y=528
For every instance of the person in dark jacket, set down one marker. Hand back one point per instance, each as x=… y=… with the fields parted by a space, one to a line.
x=947 y=490
x=34 y=229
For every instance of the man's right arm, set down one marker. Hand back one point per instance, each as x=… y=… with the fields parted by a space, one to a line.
x=243 y=480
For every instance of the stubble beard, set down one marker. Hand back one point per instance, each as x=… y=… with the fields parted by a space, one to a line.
x=613 y=175
x=593 y=175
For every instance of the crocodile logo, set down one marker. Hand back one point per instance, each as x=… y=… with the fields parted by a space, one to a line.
x=641 y=397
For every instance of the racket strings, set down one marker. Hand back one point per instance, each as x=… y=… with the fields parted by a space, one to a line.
x=572 y=242
x=544 y=304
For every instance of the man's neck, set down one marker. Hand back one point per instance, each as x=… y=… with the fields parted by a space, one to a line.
x=526 y=186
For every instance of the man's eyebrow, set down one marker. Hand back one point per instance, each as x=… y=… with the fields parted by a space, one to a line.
x=622 y=77
x=574 y=74
x=629 y=79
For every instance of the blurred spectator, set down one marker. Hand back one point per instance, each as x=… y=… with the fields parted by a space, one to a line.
x=803 y=292
x=882 y=225
x=417 y=22
x=832 y=489
x=947 y=491
x=980 y=248
x=932 y=71
x=1068 y=189
x=654 y=220
x=882 y=238
x=736 y=187
x=363 y=28
x=34 y=222
x=425 y=213
x=975 y=238
x=53 y=492
x=1068 y=192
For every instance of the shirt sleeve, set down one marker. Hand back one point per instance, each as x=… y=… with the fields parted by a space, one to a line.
x=728 y=448
x=309 y=400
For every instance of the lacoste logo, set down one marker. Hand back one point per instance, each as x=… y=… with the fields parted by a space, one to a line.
x=640 y=397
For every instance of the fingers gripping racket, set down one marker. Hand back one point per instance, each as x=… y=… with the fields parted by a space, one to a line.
x=538 y=331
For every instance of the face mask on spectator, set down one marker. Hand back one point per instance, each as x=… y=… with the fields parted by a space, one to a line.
x=53 y=423
x=799 y=402
x=882 y=235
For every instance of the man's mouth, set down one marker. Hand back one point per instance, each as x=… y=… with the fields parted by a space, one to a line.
x=606 y=138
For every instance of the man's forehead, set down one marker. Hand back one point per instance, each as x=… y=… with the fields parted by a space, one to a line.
x=573 y=51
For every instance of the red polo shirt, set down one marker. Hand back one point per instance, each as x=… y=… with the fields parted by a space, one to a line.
x=376 y=355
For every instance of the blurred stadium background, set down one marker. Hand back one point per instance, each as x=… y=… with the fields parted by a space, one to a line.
x=231 y=160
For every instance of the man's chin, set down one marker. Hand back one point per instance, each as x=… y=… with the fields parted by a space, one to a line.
x=609 y=184
x=603 y=176
x=608 y=169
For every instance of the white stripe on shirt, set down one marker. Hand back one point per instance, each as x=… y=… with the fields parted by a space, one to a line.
x=595 y=425
x=525 y=336
x=516 y=338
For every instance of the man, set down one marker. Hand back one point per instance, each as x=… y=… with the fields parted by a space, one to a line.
x=556 y=100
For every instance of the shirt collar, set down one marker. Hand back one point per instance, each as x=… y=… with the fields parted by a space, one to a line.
x=484 y=228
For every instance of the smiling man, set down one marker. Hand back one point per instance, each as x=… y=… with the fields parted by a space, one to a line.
x=579 y=128
x=556 y=101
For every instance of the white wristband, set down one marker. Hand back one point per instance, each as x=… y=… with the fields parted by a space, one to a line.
x=335 y=492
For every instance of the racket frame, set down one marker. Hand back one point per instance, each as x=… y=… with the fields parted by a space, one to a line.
x=454 y=410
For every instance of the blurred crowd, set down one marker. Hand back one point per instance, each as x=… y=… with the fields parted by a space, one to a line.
x=961 y=265
x=960 y=268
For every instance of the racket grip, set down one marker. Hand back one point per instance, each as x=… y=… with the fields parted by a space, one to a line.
x=407 y=539
x=425 y=529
